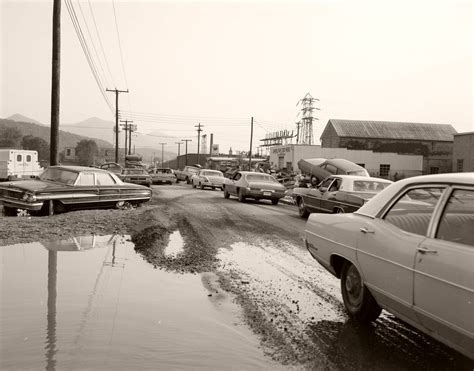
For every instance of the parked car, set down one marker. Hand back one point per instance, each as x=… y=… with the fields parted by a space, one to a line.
x=333 y=166
x=136 y=175
x=409 y=250
x=338 y=194
x=186 y=174
x=161 y=176
x=208 y=178
x=247 y=184
x=60 y=188
x=113 y=167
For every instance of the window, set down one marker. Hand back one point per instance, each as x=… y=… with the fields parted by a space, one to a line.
x=18 y=158
x=325 y=184
x=68 y=151
x=28 y=158
x=412 y=212
x=434 y=170
x=460 y=165
x=335 y=185
x=362 y=165
x=384 y=170
x=104 y=179
x=86 y=179
x=332 y=169
x=457 y=222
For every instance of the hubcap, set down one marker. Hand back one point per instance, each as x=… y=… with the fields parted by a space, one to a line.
x=354 y=286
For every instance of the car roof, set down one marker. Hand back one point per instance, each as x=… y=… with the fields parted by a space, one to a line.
x=342 y=163
x=373 y=207
x=359 y=177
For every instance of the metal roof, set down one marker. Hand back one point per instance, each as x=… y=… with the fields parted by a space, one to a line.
x=392 y=130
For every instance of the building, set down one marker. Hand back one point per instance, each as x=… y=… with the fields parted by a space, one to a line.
x=385 y=165
x=463 y=152
x=432 y=141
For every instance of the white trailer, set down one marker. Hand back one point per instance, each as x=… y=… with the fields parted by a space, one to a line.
x=19 y=164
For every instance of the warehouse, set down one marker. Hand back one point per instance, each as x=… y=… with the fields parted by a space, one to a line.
x=463 y=152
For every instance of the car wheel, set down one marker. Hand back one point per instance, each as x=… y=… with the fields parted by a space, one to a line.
x=194 y=185
x=241 y=196
x=188 y=181
x=226 y=194
x=275 y=201
x=201 y=186
x=302 y=211
x=339 y=210
x=359 y=302
x=10 y=211
x=48 y=208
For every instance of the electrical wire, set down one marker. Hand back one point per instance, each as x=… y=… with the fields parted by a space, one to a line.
x=120 y=45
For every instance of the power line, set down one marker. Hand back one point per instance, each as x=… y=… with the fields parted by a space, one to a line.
x=119 y=43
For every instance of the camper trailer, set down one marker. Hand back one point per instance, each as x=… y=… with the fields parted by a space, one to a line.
x=18 y=164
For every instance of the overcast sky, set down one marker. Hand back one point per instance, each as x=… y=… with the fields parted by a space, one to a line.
x=220 y=63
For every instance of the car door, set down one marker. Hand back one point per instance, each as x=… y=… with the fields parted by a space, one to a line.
x=231 y=185
x=85 y=190
x=315 y=195
x=444 y=274
x=109 y=191
x=387 y=247
x=328 y=200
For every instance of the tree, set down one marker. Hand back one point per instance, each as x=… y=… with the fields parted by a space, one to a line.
x=86 y=150
x=36 y=144
x=10 y=137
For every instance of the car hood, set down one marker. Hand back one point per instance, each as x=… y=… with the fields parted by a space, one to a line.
x=32 y=185
x=265 y=185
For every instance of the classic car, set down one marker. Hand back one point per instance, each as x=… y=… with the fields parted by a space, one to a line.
x=409 y=250
x=60 y=188
x=208 y=178
x=161 y=176
x=321 y=169
x=337 y=194
x=186 y=174
x=136 y=175
x=247 y=184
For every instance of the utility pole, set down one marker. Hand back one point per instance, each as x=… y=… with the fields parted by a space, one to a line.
x=55 y=83
x=162 y=149
x=199 y=126
x=116 y=120
x=307 y=118
x=251 y=137
x=179 y=147
x=186 y=140
x=127 y=128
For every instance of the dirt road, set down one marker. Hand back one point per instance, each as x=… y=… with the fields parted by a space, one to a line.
x=257 y=251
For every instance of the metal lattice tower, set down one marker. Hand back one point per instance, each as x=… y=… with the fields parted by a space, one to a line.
x=305 y=133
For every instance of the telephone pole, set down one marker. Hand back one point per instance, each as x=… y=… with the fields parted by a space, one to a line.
x=186 y=140
x=251 y=137
x=199 y=126
x=55 y=83
x=162 y=151
x=179 y=147
x=116 y=120
x=127 y=128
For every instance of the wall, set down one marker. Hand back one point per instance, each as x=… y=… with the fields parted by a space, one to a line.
x=403 y=165
x=463 y=149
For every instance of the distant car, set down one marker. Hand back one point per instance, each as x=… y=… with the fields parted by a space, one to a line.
x=409 y=250
x=259 y=186
x=162 y=176
x=136 y=175
x=113 y=167
x=334 y=166
x=60 y=188
x=186 y=174
x=338 y=194
x=208 y=178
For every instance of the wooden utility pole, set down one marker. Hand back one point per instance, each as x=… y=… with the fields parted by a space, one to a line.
x=127 y=128
x=251 y=137
x=179 y=147
x=55 y=83
x=199 y=126
x=162 y=153
x=186 y=140
x=117 y=120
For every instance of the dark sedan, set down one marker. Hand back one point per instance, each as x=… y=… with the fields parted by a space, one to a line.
x=247 y=184
x=60 y=188
x=136 y=175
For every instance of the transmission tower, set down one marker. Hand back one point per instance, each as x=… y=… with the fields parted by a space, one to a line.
x=305 y=127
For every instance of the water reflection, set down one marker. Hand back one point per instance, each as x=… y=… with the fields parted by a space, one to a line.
x=107 y=308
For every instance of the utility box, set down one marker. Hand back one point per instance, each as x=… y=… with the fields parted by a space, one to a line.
x=19 y=164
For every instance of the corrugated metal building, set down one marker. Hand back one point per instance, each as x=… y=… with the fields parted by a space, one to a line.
x=433 y=141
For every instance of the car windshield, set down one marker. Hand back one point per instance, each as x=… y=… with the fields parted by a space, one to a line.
x=357 y=172
x=212 y=173
x=59 y=175
x=369 y=186
x=134 y=171
x=261 y=178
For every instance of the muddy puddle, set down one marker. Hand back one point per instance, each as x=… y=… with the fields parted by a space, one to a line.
x=94 y=303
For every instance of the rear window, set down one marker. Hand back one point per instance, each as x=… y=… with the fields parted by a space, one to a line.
x=260 y=178
x=212 y=173
x=369 y=186
x=134 y=172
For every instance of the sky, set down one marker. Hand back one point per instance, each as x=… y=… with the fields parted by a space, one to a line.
x=220 y=63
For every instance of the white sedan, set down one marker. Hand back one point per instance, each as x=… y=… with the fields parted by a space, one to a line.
x=208 y=178
x=409 y=250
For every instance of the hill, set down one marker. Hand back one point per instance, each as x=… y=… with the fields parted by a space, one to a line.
x=21 y=118
x=66 y=139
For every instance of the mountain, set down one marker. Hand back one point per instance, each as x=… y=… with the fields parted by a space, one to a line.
x=21 y=118
x=66 y=139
